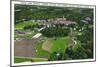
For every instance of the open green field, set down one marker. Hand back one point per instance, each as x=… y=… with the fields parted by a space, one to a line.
x=20 y=26
x=40 y=52
x=19 y=59
x=58 y=45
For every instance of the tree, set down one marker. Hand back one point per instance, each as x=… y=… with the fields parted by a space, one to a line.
x=56 y=56
x=69 y=52
x=79 y=53
x=55 y=32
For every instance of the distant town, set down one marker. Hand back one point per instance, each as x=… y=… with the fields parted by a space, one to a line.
x=44 y=33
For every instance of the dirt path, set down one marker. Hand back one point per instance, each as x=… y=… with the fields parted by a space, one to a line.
x=72 y=42
x=47 y=46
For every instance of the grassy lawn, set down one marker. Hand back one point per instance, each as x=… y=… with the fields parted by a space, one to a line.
x=19 y=60
x=39 y=59
x=40 y=52
x=59 y=45
x=20 y=26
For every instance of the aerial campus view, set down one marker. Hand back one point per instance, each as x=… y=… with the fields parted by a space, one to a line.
x=48 y=33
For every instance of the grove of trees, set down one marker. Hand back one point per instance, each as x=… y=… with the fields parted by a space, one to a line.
x=55 y=31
